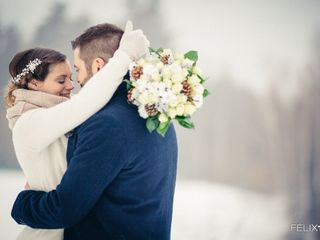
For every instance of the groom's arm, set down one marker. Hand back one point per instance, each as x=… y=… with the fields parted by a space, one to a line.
x=99 y=157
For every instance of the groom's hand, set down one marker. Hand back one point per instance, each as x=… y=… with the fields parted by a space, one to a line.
x=134 y=42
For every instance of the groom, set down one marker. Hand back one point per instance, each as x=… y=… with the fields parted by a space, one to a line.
x=120 y=179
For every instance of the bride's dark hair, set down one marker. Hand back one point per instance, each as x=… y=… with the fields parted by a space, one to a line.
x=48 y=58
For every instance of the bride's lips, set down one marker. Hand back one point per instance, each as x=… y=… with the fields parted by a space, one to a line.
x=65 y=95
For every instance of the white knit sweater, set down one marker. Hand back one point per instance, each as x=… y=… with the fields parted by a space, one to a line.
x=38 y=134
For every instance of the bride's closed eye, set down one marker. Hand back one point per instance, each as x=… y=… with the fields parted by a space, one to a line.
x=62 y=79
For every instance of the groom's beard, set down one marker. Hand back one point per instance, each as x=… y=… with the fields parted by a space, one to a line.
x=90 y=74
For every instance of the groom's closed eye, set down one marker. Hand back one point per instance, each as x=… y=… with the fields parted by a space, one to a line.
x=76 y=68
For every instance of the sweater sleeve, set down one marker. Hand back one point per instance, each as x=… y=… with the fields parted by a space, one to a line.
x=37 y=129
x=101 y=154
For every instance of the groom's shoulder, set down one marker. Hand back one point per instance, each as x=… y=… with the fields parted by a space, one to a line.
x=113 y=114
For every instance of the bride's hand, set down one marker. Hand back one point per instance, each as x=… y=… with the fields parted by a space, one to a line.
x=134 y=42
x=27 y=186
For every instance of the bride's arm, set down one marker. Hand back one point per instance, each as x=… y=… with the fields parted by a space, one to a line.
x=39 y=128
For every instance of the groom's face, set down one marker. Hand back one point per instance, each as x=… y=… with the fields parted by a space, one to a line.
x=82 y=73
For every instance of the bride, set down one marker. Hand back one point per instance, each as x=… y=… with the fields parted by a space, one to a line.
x=42 y=114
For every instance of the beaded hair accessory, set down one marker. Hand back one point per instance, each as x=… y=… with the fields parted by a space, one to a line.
x=30 y=67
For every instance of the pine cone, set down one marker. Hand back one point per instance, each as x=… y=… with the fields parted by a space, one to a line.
x=186 y=89
x=151 y=110
x=165 y=59
x=129 y=96
x=136 y=72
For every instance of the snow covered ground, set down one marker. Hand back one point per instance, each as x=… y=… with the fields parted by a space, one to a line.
x=202 y=211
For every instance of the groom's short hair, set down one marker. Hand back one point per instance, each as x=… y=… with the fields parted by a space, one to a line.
x=101 y=41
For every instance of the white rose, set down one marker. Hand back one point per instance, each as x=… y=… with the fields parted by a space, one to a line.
x=196 y=70
x=179 y=57
x=143 y=98
x=141 y=61
x=198 y=89
x=187 y=62
x=177 y=78
x=198 y=100
x=167 y=82
x=166 y=51
x=166 y=72
x=172 y=113
x=160 y=65
x=185 y=72
x=182 y=98
x=163 y=118
x=153 y=98
x=180 y=109
x=194 y=79
x=189 y=109
x=173 y=103
x=142 y=111
x=176 y=88
x=134 y=92
x=149 y=69
x=175 y=68
x=156 y=77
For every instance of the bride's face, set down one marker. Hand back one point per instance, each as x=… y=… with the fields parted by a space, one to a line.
x=58 y=81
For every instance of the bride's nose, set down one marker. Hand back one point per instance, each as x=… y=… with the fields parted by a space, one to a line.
x=69 y=85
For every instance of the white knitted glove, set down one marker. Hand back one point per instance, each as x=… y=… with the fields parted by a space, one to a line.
x=133 y=42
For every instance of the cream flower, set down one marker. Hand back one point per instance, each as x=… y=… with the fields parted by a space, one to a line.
x=141 y=61
x=198 y=89
x=198 y=100
x=180 y=109
x=172 y=113
x=143 y=98
x=152 y=98
x=173 y=103
x=160 y=65
x=142 y=112
x=176 y=88
x=189 y=109
x=163 y=118
x=196 y=70
x=156 y=76
x=166 y=72
x=182 y=98
x=179 y=57
x=167 y=82
x=187 y=62
x=177 y=78
x=193 y=80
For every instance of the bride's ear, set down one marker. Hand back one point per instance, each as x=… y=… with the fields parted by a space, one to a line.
x=33 y=85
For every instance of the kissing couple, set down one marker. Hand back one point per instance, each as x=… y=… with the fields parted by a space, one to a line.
x=93 y=170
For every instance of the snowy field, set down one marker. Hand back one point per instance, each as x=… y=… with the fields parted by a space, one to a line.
x=202 y=211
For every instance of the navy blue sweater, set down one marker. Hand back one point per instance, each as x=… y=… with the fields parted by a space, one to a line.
x=119 y=183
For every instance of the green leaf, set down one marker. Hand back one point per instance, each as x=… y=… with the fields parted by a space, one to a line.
x=192 y=55
x=160 y=50
x=129 y=85
x=152 y=123
x=205 y=93
x=185 y=122
x=151 y=50
x=201 y=79
x=163 y=128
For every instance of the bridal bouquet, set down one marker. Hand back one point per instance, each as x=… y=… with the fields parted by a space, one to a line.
x=166 y=86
